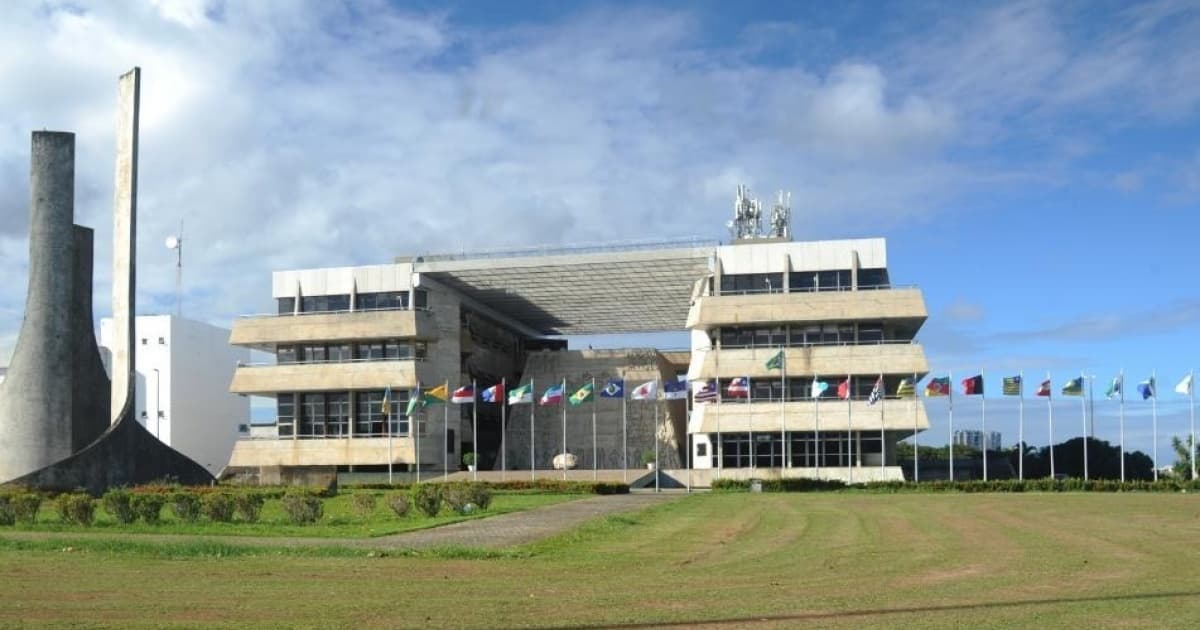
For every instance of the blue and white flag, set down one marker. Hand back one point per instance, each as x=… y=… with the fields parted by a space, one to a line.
x=615 y=388
x=674 y=390
x=1146 y=389
x=876 y=392
x=706 y=391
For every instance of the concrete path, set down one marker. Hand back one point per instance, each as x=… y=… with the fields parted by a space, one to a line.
x=493 y=532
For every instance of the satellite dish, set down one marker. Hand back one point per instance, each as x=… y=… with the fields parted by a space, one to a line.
x=172 y=242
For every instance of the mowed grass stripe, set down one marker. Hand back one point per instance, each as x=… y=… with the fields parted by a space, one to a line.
x=828 y=560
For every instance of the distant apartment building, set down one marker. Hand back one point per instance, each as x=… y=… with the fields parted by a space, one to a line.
x=974 y=439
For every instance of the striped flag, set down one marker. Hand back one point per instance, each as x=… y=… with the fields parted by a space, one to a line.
x=708 y=392
x=937 y=387
x=1012 y=386
x=906 y=389
x=462 y=395
x=876 y=392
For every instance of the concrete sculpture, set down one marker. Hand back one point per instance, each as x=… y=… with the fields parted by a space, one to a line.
x=56 y=403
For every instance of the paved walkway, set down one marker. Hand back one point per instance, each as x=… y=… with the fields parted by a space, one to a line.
x=493 y=532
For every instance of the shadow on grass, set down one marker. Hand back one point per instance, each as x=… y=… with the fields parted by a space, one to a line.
x=880 y=612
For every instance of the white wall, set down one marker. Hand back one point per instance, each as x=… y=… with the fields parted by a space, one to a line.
x=805 y=255
x=183 y=370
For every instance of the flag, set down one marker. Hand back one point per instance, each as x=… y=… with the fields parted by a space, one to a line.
x=1012 y=386
x=937 y=387
x=645 y=391
x=493 y=394
x=844 y=389
x=1114 y=388
x=1185 y=386
x=521 y=395
x=1146 y=389
x=552 y=396
x=739 y=387
x=582 y=395
x=973 y=386
x=776 y=362
x=1074 y=387
x=436 y=395
x=385 y=407
x=674 y=390
x=1043 y=389
x=708 y=392
x=464 y=394
x=876 y=392
x=414 y=400
x=615 y=388
x=906 y=389
x=818 y=388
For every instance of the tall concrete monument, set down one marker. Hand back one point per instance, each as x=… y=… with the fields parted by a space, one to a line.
x=63 y=425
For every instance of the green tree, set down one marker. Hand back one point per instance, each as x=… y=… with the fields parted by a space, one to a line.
x=1182 y=468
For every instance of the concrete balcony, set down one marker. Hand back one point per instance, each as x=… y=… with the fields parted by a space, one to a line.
x=333 y=451
x=896 y=415
x=769 y=308
x=264 y=332
x=321 y=377
x=885 y=358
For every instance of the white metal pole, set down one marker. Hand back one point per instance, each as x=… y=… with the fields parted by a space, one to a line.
x=624 y=433
x=1083 y=409
x=475 y=430
x=1122 y=423
x=783 y=464
x=416 y=431
x=595 y=461
x=816 y=426
x=718 y=449
x=1154 y=415
x=1021 y=425
x=388 y=419
x=657 y=466
x=532 y=428
x=882 y=426
x=503 y=428
x=1192 y=408
x=852 y=460
x=1050 y=419
x=563 y=403
x=446 y=433
x=750 y=416
x=912 y=405
x=983 y=424
x=950 y=414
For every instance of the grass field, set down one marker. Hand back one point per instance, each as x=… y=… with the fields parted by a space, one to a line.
x=740 y=560
x=340 y=519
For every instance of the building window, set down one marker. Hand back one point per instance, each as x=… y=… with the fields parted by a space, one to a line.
x=337 y=414
x=285 y=354
x=420 y=298
x=870 y=332
x=450 y=440
x=338 y=352
x=701 y=449
x=746 y=283
x=873 y=278
x=313 y=353
x=312 y=415
x=389 y=300
x=285 y=413
x=324 y=303
x=287 y=306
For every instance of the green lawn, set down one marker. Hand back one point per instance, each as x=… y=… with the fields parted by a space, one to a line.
x=821 y=560
x=340 y=519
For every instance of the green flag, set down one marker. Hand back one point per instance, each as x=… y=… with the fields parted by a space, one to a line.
x=581 y=395
x=776 y=362
x=414 y=400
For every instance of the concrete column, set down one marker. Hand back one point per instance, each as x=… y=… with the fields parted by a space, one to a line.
x=36 y=401
x=125 y=244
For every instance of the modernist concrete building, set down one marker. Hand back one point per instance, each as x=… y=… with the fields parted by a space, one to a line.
x=183 y=368
x=343 y=336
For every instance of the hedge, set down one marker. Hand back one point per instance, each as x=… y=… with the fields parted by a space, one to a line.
x=539 y=485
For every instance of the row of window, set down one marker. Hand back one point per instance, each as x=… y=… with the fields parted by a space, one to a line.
x=833 y=333
x=331 y=414
x=385 y=300
x=765 y=450
x=802 y=281
x=342 y=351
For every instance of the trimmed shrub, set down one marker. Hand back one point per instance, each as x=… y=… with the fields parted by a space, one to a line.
x=248 y=505
x=148 y=507
x=118 y=502
x=76 y=508
x=25 y=506
x=481 y=495
x=399 y=503
x=186 y=506
x=364 y=504
x=218 y=507
x=540 y=485
x=457 y=497
x=302 y=508
x=427 y=497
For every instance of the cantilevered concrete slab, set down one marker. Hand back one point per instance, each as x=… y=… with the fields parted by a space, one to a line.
x=581 y=292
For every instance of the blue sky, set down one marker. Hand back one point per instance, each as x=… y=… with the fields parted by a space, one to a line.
x=1033 y=165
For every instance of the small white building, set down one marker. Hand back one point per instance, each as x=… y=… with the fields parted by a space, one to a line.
x=183 y=369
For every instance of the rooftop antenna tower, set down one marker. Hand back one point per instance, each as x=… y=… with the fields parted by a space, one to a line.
x=747 y=216
x=781 y=217
x=175 y=242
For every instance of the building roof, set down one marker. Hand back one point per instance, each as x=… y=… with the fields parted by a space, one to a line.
x=581 y=291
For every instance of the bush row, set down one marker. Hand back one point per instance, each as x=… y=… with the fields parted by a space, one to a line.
x=992 y=485
x=539 y=485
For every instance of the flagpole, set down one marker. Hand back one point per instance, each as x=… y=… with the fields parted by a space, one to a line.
x=882 y=432
x=388 y=415
x=532 y=428
x=950 y=414
x=1083 y=409
x=1021 y=425
x=657 y=402
x=416 y=429
x=750 y=417
x=912 y=405
x=983 y=423
x=624 y=433
x=563 y=402
x=1122 y=423
x=1154 y=415
x=503 y=428
x=1050 y=418
x=816 y=427
x=719 y=448
x=446 y=433
x=595 y=461
x=475 y=429
x=850 y=460
x=783 y=412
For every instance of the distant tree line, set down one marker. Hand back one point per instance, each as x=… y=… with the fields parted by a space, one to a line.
x=1104 y=459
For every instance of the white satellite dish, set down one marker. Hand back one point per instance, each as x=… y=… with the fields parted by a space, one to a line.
x=173 y=242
